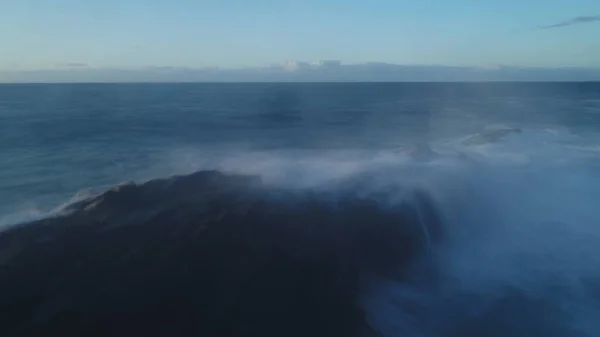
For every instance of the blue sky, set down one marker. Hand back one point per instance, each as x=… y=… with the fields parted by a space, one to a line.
x=44 y=34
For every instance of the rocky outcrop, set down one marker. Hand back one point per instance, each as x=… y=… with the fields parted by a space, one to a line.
x=207 y=254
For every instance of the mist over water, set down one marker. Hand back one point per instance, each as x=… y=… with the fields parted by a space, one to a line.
x=523 y=230
x=520 y=256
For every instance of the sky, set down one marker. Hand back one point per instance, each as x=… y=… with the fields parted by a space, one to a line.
x=50 y=34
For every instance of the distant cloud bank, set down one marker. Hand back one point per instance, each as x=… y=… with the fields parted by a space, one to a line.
x=573 y=21
x=293 y=71
x=72 y=65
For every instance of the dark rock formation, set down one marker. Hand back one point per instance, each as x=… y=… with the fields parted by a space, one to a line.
x=207 y=254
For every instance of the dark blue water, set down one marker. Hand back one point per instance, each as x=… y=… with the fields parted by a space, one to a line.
x=58 y=140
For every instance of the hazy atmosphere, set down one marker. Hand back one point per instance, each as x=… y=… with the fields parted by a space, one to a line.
x=268 y=40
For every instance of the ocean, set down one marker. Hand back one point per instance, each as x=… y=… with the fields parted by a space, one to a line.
x=513 y=169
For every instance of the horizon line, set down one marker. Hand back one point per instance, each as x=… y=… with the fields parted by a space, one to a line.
x=302 y=82
x=304 y=65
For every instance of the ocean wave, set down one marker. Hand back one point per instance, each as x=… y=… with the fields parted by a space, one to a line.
x=208 y=254
x=454 y=239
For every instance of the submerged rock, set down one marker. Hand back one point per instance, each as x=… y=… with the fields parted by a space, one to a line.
x=207 y=254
